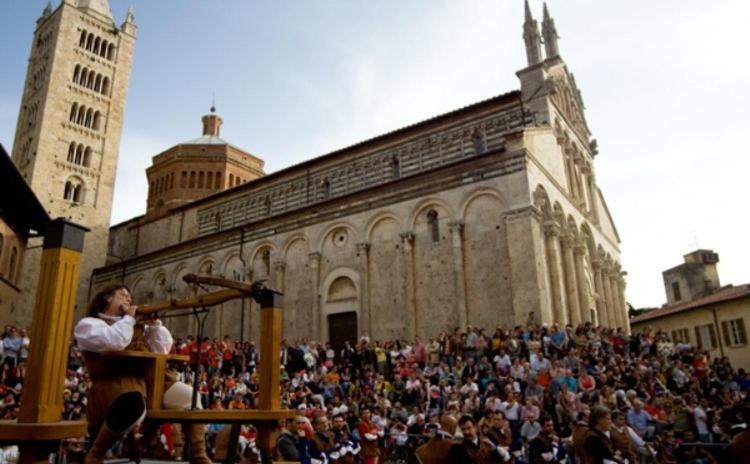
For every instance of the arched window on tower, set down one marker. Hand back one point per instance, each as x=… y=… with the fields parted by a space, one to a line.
x=171 y=180
x=79 y=154
x=71 y=152
x=73 y=112
x=76 y=73
x=434 y=224
x=97 y=42
x=97 y=121
x=87 y=157
x=89 y=42
x=201 y=179
x=111 y=52
x=73 y=190
x=90 y=80
x=98 y=83
x=217 y=180
x=210 y=179
x=192 y=179
x=89 y=120
x=267 y=206
x=82 y=40
x=105 y=86
x=183 y=179
x=103 y=49
x=231 y=180
x=326 y=189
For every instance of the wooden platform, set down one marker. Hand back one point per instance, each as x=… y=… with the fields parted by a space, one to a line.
x=220 y=416
x=14 y=432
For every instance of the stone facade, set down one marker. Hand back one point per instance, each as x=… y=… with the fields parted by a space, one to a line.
x=68 y=132
x=489 y=215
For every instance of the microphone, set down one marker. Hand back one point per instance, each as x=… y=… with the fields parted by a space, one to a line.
x=123 y=309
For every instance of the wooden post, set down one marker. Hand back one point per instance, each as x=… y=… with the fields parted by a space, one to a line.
x=52 y=323
x=269 y=370
x=39 y=427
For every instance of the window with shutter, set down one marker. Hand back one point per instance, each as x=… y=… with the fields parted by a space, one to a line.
x=725 y=331
x=698 y=340
x=712 y=334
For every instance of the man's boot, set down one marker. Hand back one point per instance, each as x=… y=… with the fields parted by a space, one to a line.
x=102 y=443
x=196 y=436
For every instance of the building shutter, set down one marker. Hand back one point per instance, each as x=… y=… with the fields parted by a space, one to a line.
x=741 y=329
x=712 y=332
x=698 y=340
x=725 y=330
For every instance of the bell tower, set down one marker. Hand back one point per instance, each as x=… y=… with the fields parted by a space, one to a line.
x=68 y=131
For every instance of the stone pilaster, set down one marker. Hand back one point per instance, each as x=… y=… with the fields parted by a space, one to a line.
x=407 y=240
x=571 y=284
x=459 y=277
x=363 y=252
x=527 y=270
x=279 y=268
x=317 y=317
x=555 y=272
x=623 y=303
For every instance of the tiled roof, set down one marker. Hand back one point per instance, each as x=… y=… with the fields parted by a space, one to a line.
x=206 y=140
x=724 y=294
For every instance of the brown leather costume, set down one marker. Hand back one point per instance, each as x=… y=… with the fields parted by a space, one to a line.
x=621 y=441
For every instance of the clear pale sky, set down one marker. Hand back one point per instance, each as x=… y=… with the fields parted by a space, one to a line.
x=666 y=88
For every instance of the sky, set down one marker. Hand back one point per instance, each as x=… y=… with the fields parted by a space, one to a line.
x=665 y=86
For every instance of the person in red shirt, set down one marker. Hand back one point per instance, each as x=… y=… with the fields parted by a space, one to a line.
x=369 y=434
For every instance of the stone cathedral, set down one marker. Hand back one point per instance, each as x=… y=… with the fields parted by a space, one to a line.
x=68 y=131
x=484 y=216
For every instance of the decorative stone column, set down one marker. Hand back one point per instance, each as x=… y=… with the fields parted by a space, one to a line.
x=555 y=271
x=571 y=284
x=608 y=297
x=459 y=275
x=621 y=284
x=317 y=317
x=573 y=187
x=412 y=317
x=279 y=268
x=363 y=252
x=601 y=303
x=584 y=299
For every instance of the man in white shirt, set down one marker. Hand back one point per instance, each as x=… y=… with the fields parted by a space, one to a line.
x=116 y=399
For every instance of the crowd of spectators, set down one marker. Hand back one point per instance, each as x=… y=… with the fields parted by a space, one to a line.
x=516 y=383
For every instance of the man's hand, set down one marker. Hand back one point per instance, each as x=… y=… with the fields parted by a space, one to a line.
x=128 y=309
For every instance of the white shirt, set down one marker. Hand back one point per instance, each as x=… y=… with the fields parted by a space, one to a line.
x=94 y=334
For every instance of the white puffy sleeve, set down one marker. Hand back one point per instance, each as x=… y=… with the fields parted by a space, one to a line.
x=158 y=338
x=93 y=334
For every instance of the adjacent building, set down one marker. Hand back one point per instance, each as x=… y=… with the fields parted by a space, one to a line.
x=700 y=311
x=22 y=216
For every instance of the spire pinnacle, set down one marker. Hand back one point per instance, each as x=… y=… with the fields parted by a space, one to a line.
x=47 y=9
x=130 y=16
x=213 y=103
x=528 y=16
x=550 y=34
x=531 y=37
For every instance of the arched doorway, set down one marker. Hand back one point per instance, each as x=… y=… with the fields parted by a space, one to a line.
x=341 y=309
